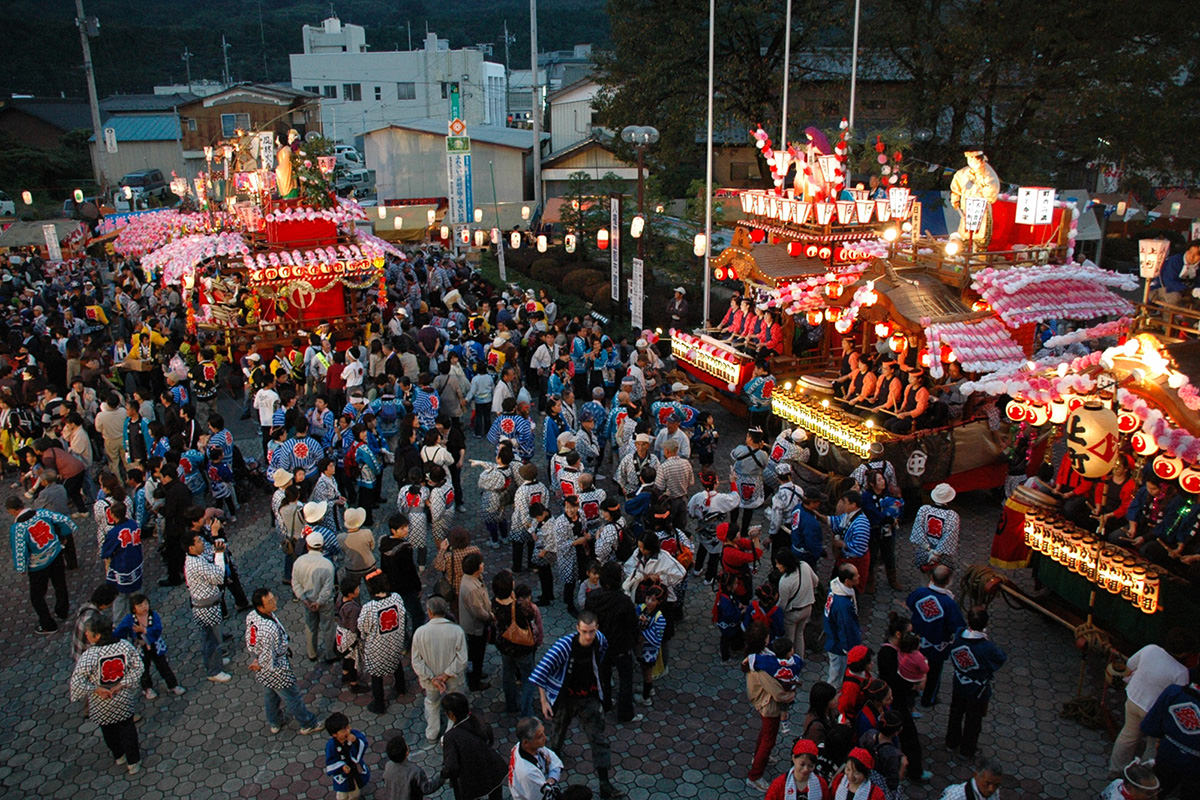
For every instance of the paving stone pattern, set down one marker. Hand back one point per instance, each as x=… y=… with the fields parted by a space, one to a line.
x=696 y=741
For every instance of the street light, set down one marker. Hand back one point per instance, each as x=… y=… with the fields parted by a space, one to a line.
x=640 y=136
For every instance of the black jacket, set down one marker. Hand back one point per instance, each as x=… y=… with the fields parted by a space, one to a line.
x=617 y=617
x=398 y=564
x=469 y=760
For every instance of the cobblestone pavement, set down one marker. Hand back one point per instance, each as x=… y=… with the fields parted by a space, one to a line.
x=697 y=740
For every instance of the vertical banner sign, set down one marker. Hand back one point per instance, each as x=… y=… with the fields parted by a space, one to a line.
x=110 y=140
x=455 y=101
x=50 y=233
x=1035 y=205
x=266 y=150
x=614 y=245
x=637 y=295
x=458 y=174
x=500 y=259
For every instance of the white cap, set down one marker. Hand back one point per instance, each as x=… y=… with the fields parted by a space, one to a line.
x=643 y=437
x=254 y=357
x=497 y=342
x=681 y=290
x=314 y=541
x=642 y=343
x=679 y=387
x=799 y=435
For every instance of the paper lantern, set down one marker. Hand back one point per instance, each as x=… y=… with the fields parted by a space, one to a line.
x=700 y=245
x=383 y=212
x=78 y=195
x=464 y=236
x=1143 y=444
x=636 y=226
x=1167 y=467
x=514 y=240
x=480 y=237
x=524 y=212
x=1037 y=415
x=757 y=235
x=925 y=358
x=602 y=238
x=833 y=314
x=430 y=216
x=1092 y=440
x=883 y=329
x=495 y=236
x=27 y=197
x=445 y=231
x=833 y=290
x=898 y=341
x=795 y=249
x=1058 y=412
x=541 y=243
x=1127 y=422
x=1015 y=411
x=1189 y=479
x=814 y=317
x=479 y=215
x=569 y=242
x=398 y=223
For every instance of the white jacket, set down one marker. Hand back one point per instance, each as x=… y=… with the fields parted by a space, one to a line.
x=525 y=779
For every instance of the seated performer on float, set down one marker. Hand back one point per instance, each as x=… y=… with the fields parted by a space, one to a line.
x=738 y=322
x=914 y=404
x=1104 y=509
x=732 y=314
x=770 y=335
x=847 y=367
x=888 y=389
x=744 y=338
x=862 y=385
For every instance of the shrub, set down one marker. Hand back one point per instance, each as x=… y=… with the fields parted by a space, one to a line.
x=582 y=281
x=546 y=270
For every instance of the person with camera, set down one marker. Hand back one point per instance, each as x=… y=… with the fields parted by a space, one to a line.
x=534 y=771
x=205 y=583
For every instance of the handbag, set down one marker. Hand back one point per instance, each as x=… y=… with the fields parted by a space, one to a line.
x=514 y=633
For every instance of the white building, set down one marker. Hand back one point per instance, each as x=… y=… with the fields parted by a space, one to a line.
x=364 y=90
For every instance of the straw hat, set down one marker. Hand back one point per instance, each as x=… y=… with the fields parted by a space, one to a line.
x=942 y=494
x=315 y=512
x=281 y=478
x=355 y=517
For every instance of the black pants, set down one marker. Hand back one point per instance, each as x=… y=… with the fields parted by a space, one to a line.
x=159 y=660
x=744 y=515
x=708 y=563
x=546 y=576
x=476 y=650
x=74 y=488
x=937 y=660
x=266 y=437
x=966 y=721
x=378 y=701
x=519 y=548
x=122 y=740
x=173 y=557
x=483 y=418
x=623 y=664
x=591 y=718
x=910 y=744
x=56 y=574
x=456 y=482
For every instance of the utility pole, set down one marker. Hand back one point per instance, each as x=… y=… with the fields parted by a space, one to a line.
x=535 y=110
x=508 y=39
x=225 y=57
x=187 y=57
x=408 y=22
x=87 y=28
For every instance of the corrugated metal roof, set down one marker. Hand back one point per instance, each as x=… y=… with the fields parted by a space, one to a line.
x=143 y=128
x=517 y=138
x=66 y=115
x=144 y=102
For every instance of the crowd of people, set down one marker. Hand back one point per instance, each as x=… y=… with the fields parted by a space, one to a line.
x=600 y=487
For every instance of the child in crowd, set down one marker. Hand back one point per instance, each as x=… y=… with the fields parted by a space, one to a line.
x=590 y=583
x=653 y=625
x=143 y=628
x=441 y=503
x=704 y=440
x=220 y=482
x=346 y=757
x=349 y=643
x=784 y=665
x=402 y=779
x=414 y=500
x=727 y=615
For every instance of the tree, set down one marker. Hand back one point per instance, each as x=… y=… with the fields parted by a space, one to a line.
x=659 y=61
x=1045 y=86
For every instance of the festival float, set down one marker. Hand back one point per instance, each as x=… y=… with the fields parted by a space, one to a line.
x=861 y=268
x=261 y=247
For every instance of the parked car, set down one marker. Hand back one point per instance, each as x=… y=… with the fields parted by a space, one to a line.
x=361 y=181
x=147 y=181
x=7 y=207
x=348 y=155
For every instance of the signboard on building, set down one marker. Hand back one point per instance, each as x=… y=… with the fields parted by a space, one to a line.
x=458 y=144
x=637 y=295
x=110 y=140
x=53 y=251
x=614 y=244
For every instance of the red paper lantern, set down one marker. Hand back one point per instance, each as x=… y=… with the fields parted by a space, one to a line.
x=1167 y=467
x=1143 y=444
x=733 y=274
x=811 y=251
x=795 y=248
x=814 y=317
x=898 y=341
x=925 y=358
x=1127 y=422
x=833 y=314
x=757 y=235
x=833 y=290
x=719 y=273
x=1189 y=479
x=602 y=238
x=1015 y=411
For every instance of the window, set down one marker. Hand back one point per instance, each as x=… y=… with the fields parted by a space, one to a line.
x=406 y=91
x=329 y=91
x=447 y=87
x=191 y=124
x=313 y=89
x=230 y=123
x=378 y=92
x=352 y=91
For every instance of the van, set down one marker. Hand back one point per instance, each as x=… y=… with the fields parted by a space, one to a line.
x=361 y=181
x=348 y=154
x=147 y=181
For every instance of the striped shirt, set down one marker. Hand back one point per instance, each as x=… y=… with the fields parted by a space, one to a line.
x=674 y=477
